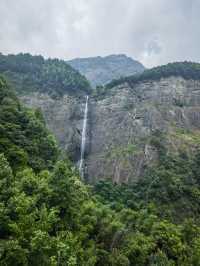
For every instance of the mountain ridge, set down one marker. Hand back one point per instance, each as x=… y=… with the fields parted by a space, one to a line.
x=101 y=70
x=29 y=73
x=164 y=98
x=185 y=69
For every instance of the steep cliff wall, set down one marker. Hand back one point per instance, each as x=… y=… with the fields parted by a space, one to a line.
x=123 y=122
x=63 y=117
x=130 y=120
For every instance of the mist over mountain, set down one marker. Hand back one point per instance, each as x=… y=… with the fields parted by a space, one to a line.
x=101 y=70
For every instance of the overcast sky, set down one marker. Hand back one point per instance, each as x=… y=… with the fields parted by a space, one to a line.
x=151 y=31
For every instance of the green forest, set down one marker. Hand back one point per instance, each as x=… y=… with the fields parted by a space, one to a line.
x=48 y=216
x=187 y=70
x=29 y=74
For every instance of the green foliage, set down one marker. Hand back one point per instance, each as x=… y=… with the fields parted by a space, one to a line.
x=33 y=73
x=49 y=217
x=172 y=185
x=122 y=151
x=163 y=225
x=24 y=138
x=187 y=70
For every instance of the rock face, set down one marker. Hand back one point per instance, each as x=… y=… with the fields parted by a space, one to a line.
x=63 y=117
x=101 y=70
x=122 y=122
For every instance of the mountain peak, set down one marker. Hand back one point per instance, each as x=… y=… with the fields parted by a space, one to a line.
x=101 y=70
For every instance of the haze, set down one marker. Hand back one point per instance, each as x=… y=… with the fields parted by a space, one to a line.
x=152 y=31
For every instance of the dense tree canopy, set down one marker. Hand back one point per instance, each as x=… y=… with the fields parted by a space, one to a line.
x=48 y=216
x=187 y=70
x=33 y=73
x=172 y=186
x=24 y=139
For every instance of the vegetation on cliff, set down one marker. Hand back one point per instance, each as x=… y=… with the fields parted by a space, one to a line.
x=49 y=217
x=29 y=73
x=24 y=139
x=172 y=185
x=187 y=70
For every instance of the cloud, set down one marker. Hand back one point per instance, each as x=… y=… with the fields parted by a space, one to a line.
x=152 y=31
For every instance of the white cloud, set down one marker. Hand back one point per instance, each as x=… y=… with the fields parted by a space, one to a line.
x=152 y=31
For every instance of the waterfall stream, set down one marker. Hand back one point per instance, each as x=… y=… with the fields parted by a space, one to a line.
x=83 y=139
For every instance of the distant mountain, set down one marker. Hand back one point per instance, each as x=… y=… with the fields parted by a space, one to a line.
x=101 y=70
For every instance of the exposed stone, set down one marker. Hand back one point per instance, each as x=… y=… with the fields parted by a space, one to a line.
x=121 y=123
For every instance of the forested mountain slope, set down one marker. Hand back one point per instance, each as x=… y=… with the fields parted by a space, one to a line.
x=29 y=73
x=24 y=139
x=123 y=118
x=49 y=217
x=126 y=115
x=186 y=70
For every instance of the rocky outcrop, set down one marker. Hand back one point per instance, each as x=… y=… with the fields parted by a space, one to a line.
x=63 y=117
x=125 y=120
x=122 y=123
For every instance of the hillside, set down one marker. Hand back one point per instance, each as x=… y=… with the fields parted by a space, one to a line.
x=29 y=73
x=24 y=139
x=101 y=70
x=186 y=70
x=49 y=217
x=123 y=119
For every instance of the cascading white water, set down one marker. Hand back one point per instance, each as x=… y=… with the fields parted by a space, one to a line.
x=83 y=139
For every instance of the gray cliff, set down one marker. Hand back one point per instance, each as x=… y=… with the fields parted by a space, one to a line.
x=122 y=122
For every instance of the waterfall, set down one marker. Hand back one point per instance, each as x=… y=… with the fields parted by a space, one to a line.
x=83 y=139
